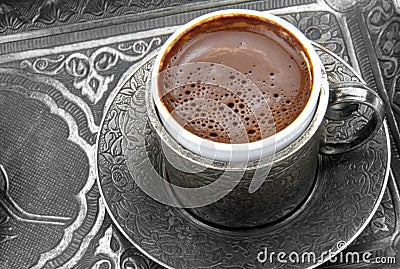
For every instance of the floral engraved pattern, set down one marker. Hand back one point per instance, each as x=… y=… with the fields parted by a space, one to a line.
x=382 y=225
x=101 y=7
x=146 y=4
x=31 y=15
x=114 y=254
x=384 y=22
x=114 y=173
x=340 y=73
x=378 y=224
x=322 y=28
x=10 y=19
x=91 y=74
x=345 y=5
x=170 y=236
x=337 y=71
x=55 y=10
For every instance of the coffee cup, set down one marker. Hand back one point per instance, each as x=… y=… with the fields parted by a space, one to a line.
x=239 y=101
x=253 y=50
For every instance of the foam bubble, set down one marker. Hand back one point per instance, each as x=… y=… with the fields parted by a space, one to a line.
x=224 y=105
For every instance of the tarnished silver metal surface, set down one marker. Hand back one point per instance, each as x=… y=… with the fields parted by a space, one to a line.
x=59 y=63
x=143 y=219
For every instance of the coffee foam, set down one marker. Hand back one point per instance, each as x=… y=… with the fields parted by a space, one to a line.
x=216 y=102
x=263 y=53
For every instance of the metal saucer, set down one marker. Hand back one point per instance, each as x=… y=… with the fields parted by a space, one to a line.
x=347 y=193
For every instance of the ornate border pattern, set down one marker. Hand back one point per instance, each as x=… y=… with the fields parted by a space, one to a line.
x=27 y=25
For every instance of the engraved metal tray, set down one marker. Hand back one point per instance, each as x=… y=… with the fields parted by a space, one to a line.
x=347 y=192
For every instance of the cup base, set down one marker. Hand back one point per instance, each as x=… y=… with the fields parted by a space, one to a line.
x=240 y=221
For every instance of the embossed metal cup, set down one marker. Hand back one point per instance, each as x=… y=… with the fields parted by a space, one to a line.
x=287 y=179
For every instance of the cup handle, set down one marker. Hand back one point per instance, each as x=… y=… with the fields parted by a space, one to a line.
x=344 y=99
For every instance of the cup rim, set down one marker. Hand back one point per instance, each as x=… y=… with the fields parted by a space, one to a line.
x=304 y=138
x=308 y=110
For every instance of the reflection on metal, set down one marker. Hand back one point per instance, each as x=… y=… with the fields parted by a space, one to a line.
x=325 y=50
x=14 y=211
x=131 y=209
x=34 y=29
x=90 y=73
x=397 y=5
x=6 y=230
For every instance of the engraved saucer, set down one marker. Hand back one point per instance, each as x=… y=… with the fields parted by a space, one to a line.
x=347 y=192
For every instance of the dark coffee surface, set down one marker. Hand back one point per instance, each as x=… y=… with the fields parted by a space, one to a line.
x=275 y=67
